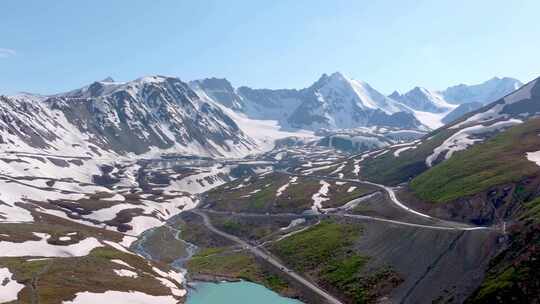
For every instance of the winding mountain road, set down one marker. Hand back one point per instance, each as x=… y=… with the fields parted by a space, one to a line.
x=393 y=198
x=261 y=254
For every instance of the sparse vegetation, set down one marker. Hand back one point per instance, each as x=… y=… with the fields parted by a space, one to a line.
x=58 y=279
x=317 y=245
x=325 y=252
x=235 y=265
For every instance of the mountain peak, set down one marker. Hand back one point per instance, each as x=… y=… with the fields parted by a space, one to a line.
x=337 y=75
x=395 y=95
x=108 y=79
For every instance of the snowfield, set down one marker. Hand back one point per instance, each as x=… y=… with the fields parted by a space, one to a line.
x=9 y=288
x=120 y=297
x=43 y=249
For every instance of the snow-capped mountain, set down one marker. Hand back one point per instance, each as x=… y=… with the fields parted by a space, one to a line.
x=332 y=102
x=128 y=117
x=484 y=93
x=437 y=108
x=422 y=99
x=513 y=109
x=337 y=102
x=211 y=117
x=219 y=89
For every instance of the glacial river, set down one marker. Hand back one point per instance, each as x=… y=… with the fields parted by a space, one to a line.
x=235 y=293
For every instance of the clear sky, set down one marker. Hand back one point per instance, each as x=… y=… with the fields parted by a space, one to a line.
x=53 y=46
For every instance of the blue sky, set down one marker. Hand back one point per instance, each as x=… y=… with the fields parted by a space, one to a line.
x=52 y=46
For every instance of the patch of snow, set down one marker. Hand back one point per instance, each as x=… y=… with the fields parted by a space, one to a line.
x=120 y=262
x=43 y=249
x=283 y=188
x=356 y=169
x=169 y=279
x=534 y=157
x=461 y=140
x=111 y=296
x=294 y=223
x=320 y=197
x=9 y=288
x=338 y=169
x=126 y=273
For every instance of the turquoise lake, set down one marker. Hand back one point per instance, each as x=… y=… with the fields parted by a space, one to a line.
x=235 y=293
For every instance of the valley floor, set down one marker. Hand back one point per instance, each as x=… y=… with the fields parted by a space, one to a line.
x=315 y=234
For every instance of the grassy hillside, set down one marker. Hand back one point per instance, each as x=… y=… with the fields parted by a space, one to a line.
x=325 y=252
x=499 y=160
x=235 y=265
x=390 y=170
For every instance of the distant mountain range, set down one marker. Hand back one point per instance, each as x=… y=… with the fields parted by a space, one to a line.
x=211 y=117
x=337 y=102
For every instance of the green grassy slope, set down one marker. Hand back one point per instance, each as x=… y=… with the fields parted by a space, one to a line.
x=325 y=252
x=390 y=170
x=499 y=160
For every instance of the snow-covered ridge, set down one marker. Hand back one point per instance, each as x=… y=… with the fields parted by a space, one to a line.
x=150 y=113
x=504 y=113
x=333 y=101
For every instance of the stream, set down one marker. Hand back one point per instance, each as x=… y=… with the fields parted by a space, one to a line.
x=202 y=292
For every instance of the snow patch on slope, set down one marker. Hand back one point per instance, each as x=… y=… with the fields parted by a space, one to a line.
x=534 y=157
x=462 y=139
x=320 y=197
x=9 y=288
x=112 y=296
x=43 y=249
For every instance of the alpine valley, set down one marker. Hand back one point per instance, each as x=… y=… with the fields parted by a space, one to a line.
x=334 y=193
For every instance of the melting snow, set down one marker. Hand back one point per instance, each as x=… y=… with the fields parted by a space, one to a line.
x=320 y=196
x=534 y=157
x=120 y=262
x=126 y=273
x=9 y=288
x=43 y=249
x=120 y=297
x=294 y=223
x=461 y=140
x=169 y=279
x=283 y=188
x=338 y=169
